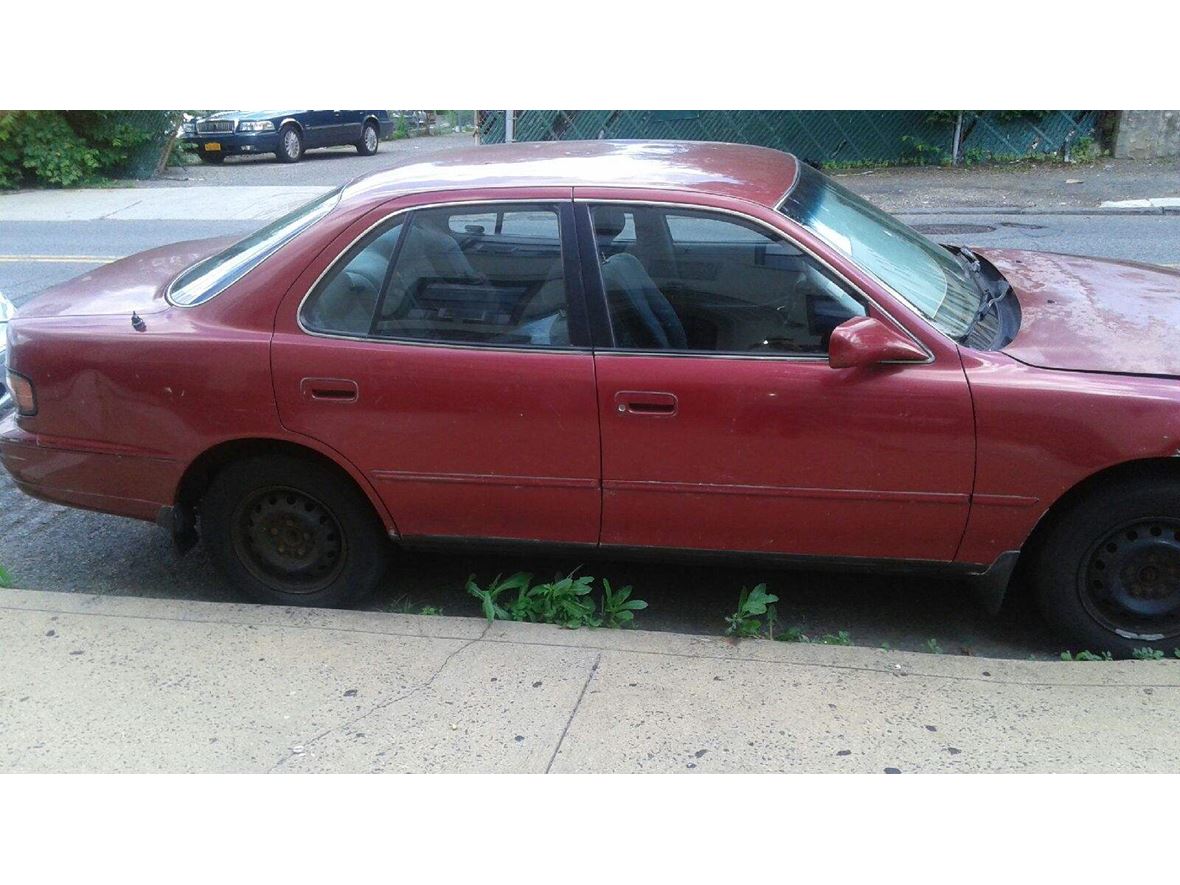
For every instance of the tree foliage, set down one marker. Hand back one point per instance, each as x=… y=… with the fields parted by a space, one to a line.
x=66 y=148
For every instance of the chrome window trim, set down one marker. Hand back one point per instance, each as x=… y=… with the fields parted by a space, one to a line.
x=791 y=241
x=415 y=342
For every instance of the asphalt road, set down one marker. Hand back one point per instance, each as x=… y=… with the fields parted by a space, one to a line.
x=328 y=166
x=53 y=548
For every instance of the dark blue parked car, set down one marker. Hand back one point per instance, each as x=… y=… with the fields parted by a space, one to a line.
x=286 y=134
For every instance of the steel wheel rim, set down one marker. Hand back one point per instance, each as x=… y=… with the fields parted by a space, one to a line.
x=289 y=540
x=370 y=139
x=291 y=144
x=1130 y=579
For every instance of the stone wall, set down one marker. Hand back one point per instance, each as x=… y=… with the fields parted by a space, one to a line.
x=1147 y=135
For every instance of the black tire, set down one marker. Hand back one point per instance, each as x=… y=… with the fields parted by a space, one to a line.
x=290 y=145
x=215 y=158
x=370 y=140
x=291 y=531
x=1107 y=575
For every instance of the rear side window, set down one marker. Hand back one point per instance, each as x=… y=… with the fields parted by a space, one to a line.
x=457 y=275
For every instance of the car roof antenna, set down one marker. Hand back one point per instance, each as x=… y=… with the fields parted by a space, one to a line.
x=137 y=322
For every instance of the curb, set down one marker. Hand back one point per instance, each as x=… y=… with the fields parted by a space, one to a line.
x=1033 y=210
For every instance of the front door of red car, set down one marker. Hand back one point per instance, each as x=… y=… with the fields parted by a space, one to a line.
x=445 y=354
x=724 y=427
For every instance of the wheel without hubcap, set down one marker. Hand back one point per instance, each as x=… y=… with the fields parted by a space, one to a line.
x=1131 y=582
x=293 y=530
x=1107 y=574
x=288 y=539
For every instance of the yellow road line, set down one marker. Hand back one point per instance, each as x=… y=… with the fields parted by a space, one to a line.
x=57 y=259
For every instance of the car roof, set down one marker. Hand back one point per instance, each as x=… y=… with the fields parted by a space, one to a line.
x=756 y=174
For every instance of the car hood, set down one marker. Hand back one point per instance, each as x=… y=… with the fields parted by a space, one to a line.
x=1092 y=315
x=135 y=283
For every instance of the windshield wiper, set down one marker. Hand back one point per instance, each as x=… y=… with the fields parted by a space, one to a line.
x=991 y=292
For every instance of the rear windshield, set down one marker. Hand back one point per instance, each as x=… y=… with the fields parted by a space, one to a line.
x=215 y=274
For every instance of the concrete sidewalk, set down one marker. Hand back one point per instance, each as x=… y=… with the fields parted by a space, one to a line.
x=93 y=683
x=256 y=203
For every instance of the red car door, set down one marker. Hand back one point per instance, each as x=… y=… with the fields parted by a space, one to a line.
x=724 y=427
x=445 y=354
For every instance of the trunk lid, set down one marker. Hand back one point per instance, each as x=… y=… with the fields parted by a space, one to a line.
x=135 y=283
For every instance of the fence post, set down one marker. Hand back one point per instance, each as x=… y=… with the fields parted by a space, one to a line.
x=956 y=142
x=509 y=127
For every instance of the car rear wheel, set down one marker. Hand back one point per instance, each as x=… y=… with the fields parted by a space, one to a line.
x=290 y=145
x=370 y=139
x=214 y=157
x=291 y=531
x=1107 y=576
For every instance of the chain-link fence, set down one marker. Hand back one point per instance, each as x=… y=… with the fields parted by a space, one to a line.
x=829 y=137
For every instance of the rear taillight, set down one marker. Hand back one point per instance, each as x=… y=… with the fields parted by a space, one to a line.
x=21 y=389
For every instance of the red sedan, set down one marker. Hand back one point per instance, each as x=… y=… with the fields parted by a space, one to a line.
x=691 y=348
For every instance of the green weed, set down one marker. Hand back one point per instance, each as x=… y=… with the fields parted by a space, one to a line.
x=566 y=601
x=840 y=638
x=618 y=609
x=752 y=605
x=1087 y=656
x=1147 y=654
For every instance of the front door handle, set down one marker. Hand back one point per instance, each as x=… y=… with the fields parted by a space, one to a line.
x=645 y=402
x=336 y=390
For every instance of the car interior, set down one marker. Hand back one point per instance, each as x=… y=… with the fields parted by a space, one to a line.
x=685 y=280
x=678 y=280
x=492 y=277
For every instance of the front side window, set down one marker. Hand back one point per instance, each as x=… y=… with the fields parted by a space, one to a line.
x=461 y=275
x=214 y=275
x=690 y=280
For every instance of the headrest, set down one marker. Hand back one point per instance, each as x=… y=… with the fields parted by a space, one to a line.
x=609 y=222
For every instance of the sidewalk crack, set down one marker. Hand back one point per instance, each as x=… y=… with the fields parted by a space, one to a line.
x=574 y=711
x=383 y=705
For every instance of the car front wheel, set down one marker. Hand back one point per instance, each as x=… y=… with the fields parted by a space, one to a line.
x=292 y=531
x=1107 y=576
x=370 y=139
x=290 y=145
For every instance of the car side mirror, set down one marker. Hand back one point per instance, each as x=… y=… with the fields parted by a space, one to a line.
x=865 y=341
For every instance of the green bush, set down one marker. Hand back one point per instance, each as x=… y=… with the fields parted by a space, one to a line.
x=67 y=148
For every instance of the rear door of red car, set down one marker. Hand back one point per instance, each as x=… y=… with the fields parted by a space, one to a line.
x=724 y=427
x=462 y=386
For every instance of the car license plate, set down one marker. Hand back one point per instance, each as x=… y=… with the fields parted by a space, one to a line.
x=213 y=145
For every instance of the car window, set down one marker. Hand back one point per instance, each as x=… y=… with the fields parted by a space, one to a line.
x=711 y=283
x=346 y=299
x=455 y=275
x=506 y=223
x=685 y=229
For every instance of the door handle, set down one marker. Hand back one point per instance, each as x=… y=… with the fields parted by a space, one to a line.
x=645 y=402
x=337 y=390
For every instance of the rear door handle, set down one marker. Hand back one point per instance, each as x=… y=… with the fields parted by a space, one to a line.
x=337 y=390
x=645 y=402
